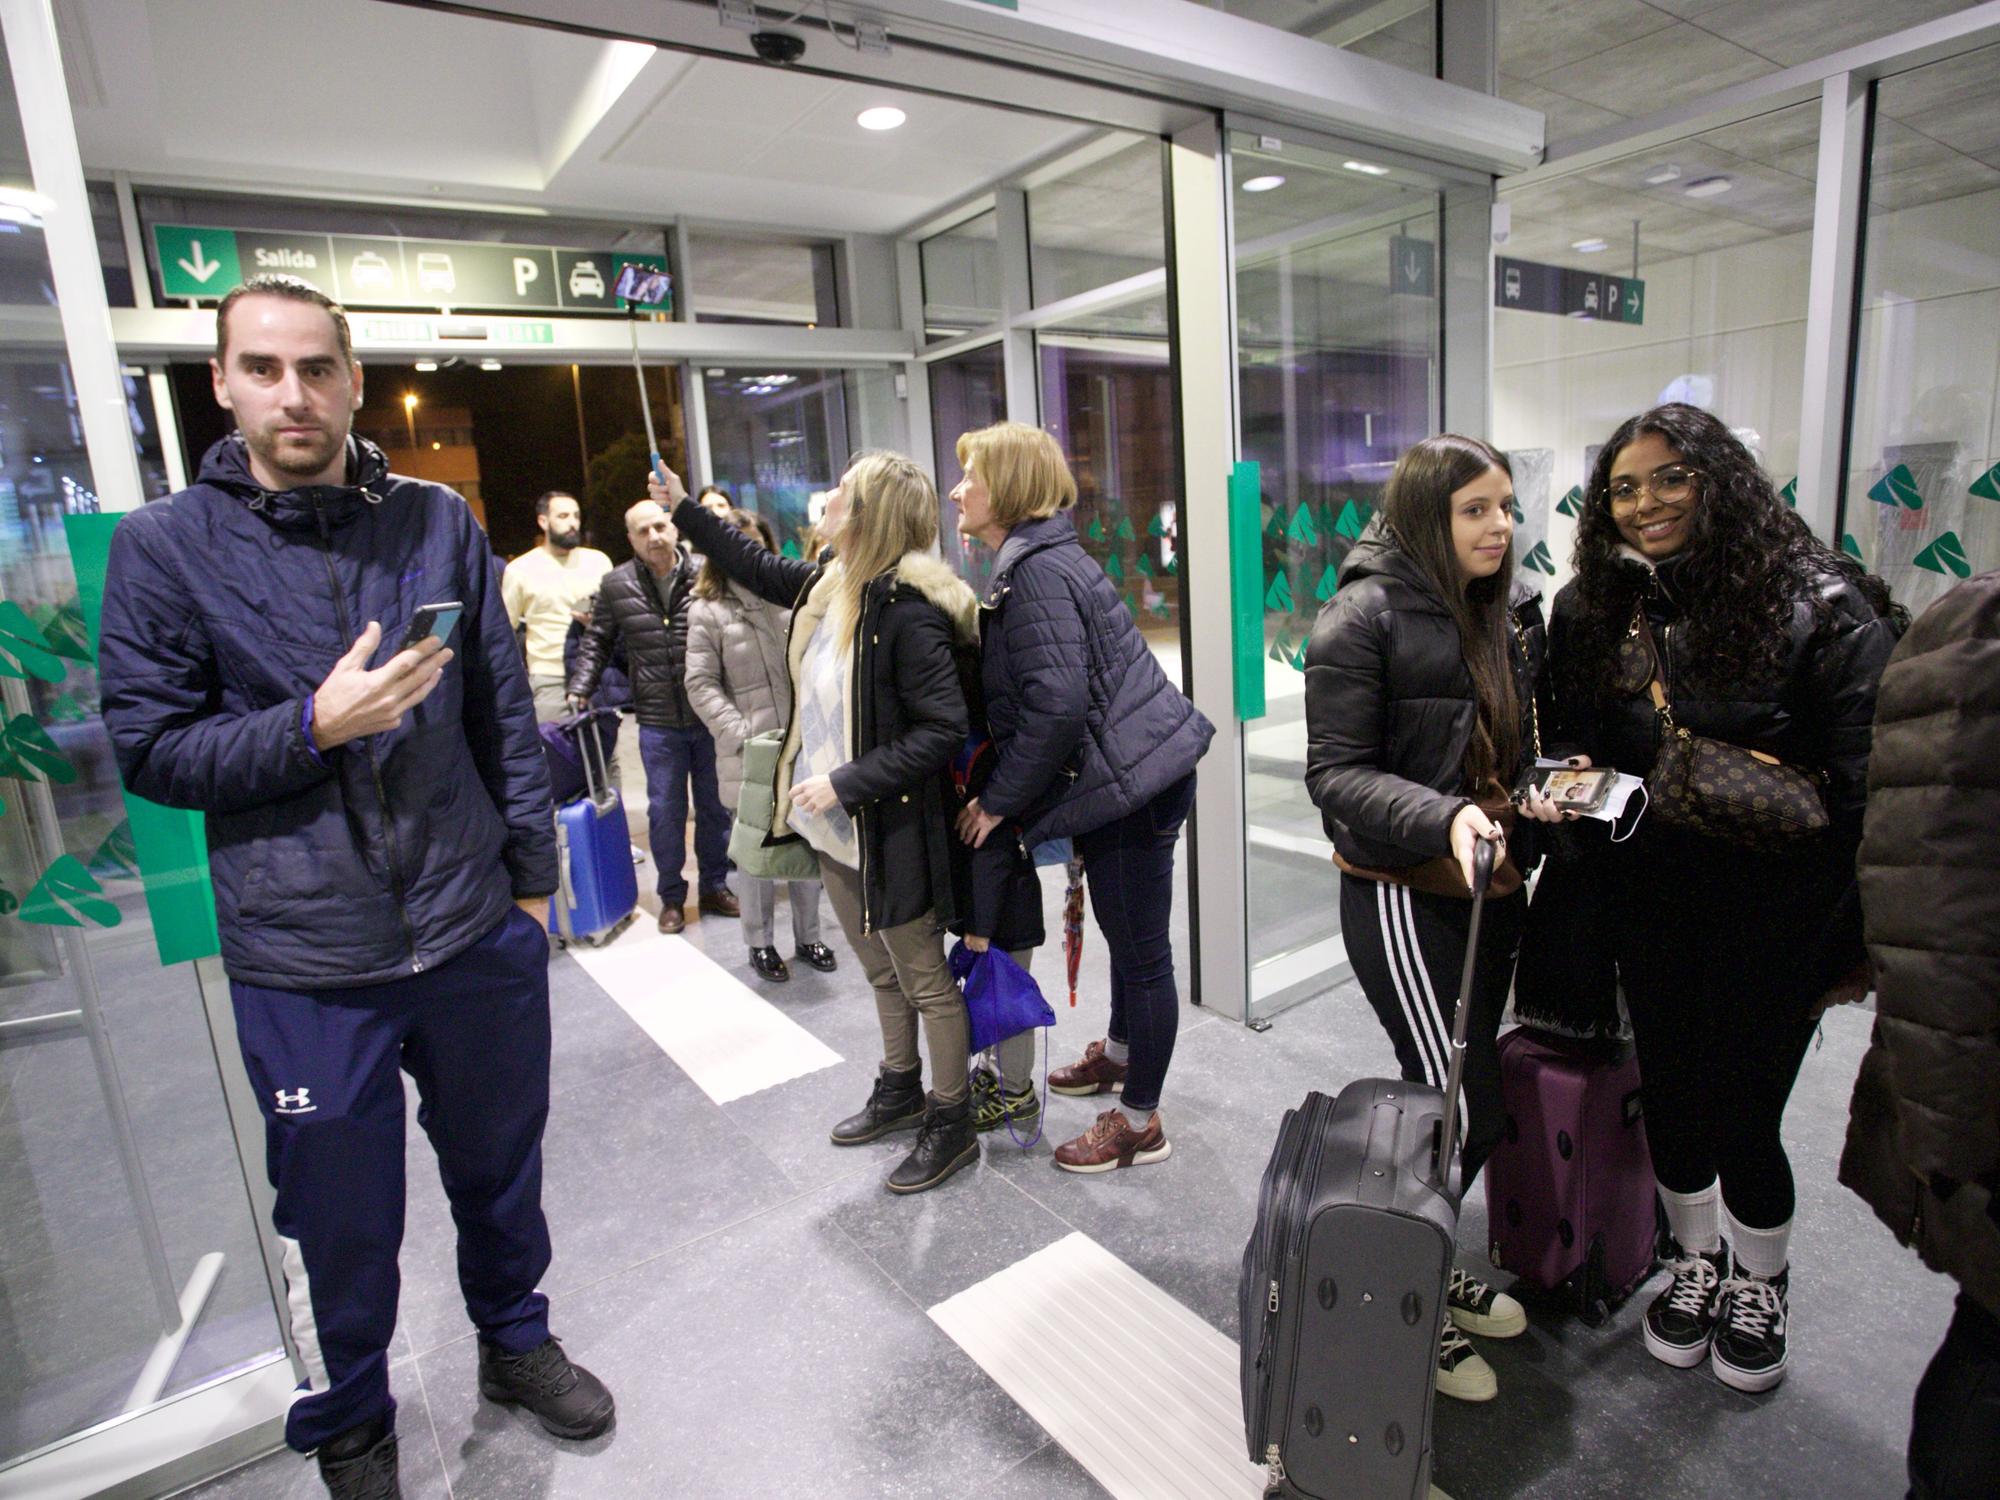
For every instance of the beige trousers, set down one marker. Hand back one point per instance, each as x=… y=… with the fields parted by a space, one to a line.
x=913 y=985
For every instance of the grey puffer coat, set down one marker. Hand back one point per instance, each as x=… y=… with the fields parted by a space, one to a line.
x=737 y=676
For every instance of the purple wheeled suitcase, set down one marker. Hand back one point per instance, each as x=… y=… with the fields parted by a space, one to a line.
x=599 y=887
x=1342 y=1297
x=1571 y=1206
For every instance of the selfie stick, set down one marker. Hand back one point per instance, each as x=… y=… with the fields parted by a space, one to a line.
x=639 y=372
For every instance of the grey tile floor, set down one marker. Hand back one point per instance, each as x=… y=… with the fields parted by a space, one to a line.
x=758 y=1302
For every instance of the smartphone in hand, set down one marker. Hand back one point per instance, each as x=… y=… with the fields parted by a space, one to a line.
x=438 y=620
x=1582 y=792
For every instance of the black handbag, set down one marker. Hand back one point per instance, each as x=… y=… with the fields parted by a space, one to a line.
x=1712 y=787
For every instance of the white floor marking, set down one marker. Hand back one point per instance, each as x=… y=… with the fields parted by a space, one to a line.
x=725 y=1036
x=1139 y=1390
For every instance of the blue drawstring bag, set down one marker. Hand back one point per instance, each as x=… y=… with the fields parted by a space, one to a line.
x=1001 y=1000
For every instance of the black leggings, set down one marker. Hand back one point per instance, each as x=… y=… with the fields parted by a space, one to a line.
x=1719 y=951
x=1408 y=950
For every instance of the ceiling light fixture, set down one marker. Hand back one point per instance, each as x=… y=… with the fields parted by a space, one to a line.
x=1709 y=187
x=1660 y=176
x=1589 y=246
x=1366 y=168
x=423 y=367
x=880 y=117
x=489 y=364
x=1263 y=184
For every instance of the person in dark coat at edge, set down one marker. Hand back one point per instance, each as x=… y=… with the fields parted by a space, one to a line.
x=645 y=603
x=1093 y=743
x=373 y=814
x=877 y=639
x=1422 y=677
x=1923 y=1141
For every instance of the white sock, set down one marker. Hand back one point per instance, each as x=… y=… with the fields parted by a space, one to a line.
x=1761 y=1252
x=1695 y=1218
x=1116 y=1051
x=1136 y=1118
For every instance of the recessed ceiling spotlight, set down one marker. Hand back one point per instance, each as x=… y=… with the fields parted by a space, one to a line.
x=1661 y=175
x=1367 y=168
x=880 y=117
x=1263 y=184
x=1590 y=246
x=1709 y=187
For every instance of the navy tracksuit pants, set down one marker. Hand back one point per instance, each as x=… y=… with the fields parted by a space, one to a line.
x=327 y=1065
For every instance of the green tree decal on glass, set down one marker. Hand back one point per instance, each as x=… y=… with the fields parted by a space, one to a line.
x=1279 y=594
x=66 y=894
x=24 y=650
x=27 y=752
x=1353 y=520
x=1571 y=504
x=1096 y=531
x=1897 y=487
x=1850 y=546
x=1114 y=569
x=791 y=548
x=1790 y=493
x=1157 y=527
x=1987 y=485
x=1281 y=648
x=1329 y=584
x=117 y=857
x=1538 y=560
x=1124 y=531
x=1174 y=564
x=1945 y=555
x=1302 y=529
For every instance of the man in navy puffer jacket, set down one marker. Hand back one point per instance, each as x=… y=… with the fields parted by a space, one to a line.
x=372 y=814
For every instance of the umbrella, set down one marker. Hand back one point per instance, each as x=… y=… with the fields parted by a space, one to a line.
x=1073 y=924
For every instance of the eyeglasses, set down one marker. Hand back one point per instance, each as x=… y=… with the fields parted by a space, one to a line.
x=1670 y=485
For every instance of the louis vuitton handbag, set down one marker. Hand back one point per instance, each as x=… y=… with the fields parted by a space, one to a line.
x=1712 y=787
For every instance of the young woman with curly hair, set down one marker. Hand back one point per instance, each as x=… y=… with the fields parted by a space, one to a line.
x=1688 y=564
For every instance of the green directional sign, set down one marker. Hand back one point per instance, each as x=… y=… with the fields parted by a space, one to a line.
x=196 y=262
x=204 y=262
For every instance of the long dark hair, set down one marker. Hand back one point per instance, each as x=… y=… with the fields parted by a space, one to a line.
x=714 y=583
x=1749 y=561
x=1416 y=508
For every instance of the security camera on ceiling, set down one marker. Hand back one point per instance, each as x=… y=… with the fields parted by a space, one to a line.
x=778 y=46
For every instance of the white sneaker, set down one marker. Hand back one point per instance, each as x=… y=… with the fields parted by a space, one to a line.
x=1462 y=1374
x=1476 y=1308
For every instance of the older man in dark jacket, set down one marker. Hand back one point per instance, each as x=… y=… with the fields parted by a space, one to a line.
x=373 y=814
x=645 y=603
x=1923 y=1146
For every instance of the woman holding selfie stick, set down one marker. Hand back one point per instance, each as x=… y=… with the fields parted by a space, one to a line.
x=1421 y=679
x=1702 y=603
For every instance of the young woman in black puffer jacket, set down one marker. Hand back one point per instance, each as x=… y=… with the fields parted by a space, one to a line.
x=1421 y=678
x=1773 y=642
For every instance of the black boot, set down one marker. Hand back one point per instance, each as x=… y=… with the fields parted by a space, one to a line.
x=946 y=1143
x=566 y=1399
x=897 y=1103
x=360 y=1464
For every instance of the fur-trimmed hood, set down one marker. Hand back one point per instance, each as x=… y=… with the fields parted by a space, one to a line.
x=931 y=577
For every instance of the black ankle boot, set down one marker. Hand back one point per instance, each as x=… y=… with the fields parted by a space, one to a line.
x=360 y=1464
x=897 y=1103
x=946 y=1143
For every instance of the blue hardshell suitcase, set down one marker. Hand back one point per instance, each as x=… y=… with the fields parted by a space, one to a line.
x=599 y=888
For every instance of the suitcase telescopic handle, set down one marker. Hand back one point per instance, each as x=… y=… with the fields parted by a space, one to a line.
x=597 y=773
x=1483 y=858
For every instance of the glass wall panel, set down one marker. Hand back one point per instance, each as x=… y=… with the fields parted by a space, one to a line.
x=1102 y=222
x=1337 y=342
x=968 y=391
x=1714 y=232
x=1922 y=500
x=962 y=277
x=740 y=278
x=95 y=1223
x=1110 y=403
x=776 y=437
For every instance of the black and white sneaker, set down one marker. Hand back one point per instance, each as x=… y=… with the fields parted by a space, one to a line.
x=1462 y=1374
x=1751 y=1313
x=1476 y=1308
x=1681 y=1322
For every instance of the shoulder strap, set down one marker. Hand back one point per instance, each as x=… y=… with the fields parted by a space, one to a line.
x=1658 y=688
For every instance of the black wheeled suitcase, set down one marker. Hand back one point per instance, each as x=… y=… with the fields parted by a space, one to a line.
x=1343 y=1293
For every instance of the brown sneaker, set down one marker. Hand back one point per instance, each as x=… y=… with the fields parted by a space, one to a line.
x=1111 y=1143
x=1096 y=1074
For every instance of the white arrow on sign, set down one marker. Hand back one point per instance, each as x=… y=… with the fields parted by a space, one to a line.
x=199 y=268
x=1412 y=267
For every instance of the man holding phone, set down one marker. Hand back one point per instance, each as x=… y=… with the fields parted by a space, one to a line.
x=372 y=817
